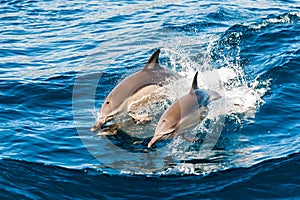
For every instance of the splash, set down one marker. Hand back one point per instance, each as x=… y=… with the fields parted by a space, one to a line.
x=240 y=101
x=238 y=96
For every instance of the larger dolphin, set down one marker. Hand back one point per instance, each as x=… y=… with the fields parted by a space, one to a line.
x=184 y=113
x=132 y=89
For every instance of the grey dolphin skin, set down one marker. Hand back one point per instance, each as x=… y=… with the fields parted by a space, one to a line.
x=184 y=113
x=133 y=87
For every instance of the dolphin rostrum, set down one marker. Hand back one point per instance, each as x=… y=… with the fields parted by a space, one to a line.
x=132 y=89
x=184 y=113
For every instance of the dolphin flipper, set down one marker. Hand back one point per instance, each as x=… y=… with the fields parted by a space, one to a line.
x=188 y=137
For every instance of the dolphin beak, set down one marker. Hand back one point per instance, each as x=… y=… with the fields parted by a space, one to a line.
x=98 y=124
x=159 y=137
x=154 y=140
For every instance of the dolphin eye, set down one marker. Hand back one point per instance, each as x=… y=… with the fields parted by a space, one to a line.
x=107 y=102
x=163 y=120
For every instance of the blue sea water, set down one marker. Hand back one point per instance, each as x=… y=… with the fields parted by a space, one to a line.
x=60 y=59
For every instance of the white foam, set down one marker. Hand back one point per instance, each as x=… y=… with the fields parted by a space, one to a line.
x=284 y=20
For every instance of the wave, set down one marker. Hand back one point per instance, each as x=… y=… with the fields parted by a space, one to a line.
x=247 y=62
x=252 y=60
x=35 y=180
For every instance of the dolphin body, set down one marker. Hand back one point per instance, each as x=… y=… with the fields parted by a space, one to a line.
x=184 y=113
x=132 y=89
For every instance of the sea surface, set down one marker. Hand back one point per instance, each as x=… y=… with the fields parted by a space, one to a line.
x=60 y=59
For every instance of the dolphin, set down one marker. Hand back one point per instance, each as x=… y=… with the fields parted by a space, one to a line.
x=184 y=113
x=132 y=89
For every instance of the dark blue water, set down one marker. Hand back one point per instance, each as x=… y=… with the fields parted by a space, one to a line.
x=59 y=60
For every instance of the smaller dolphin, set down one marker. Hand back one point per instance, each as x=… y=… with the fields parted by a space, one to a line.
x=132 y=89
x=184 y=113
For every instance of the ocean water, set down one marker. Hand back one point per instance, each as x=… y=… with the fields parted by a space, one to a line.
x=60 y=59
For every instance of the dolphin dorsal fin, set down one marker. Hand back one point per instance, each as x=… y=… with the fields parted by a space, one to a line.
x=153 y=61
x=194 y=84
